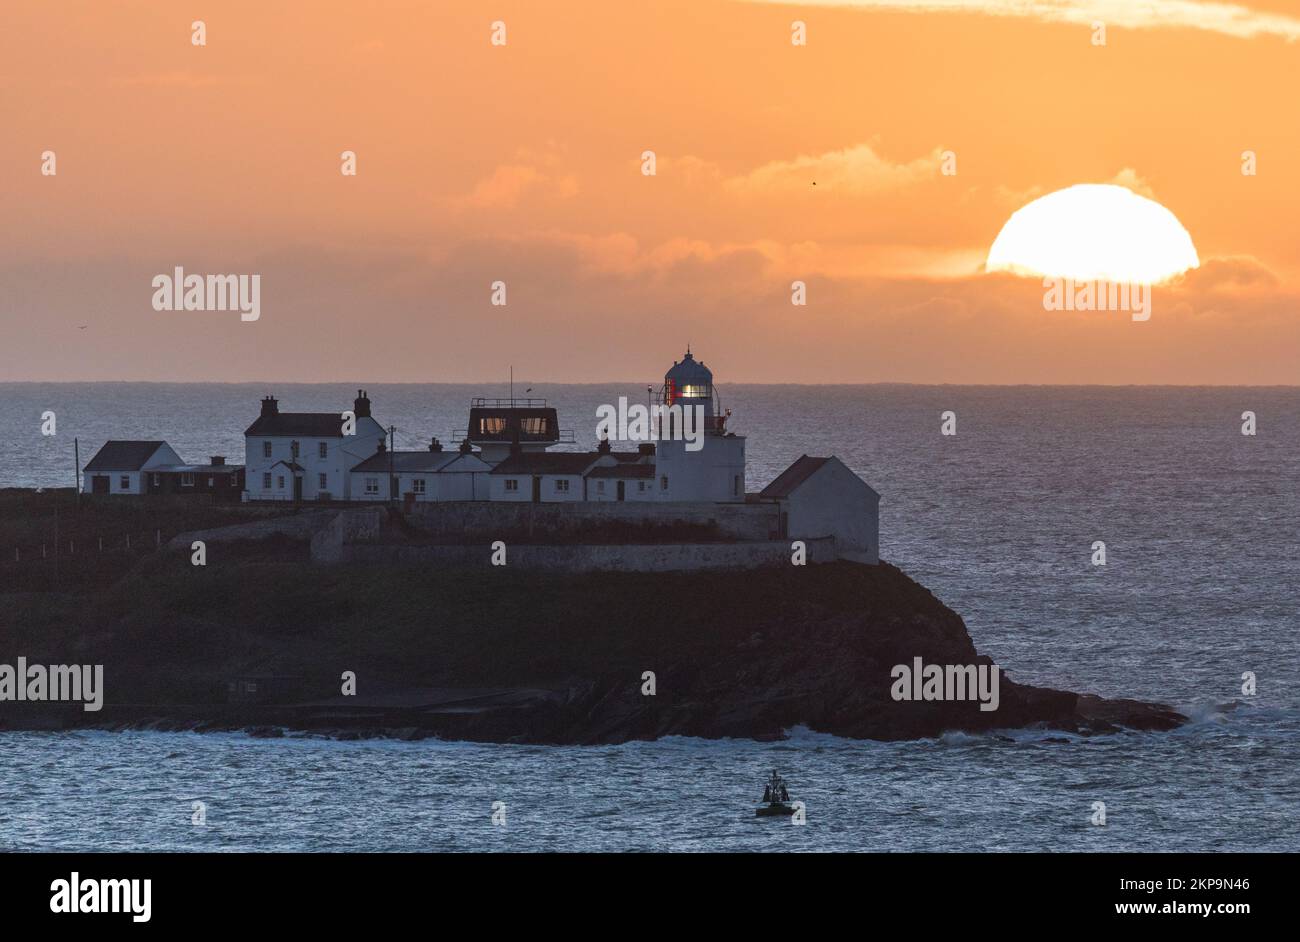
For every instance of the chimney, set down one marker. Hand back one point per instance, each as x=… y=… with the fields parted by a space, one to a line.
x=435 y=445
x=604 y=447
x=465 y=447
x=217 y=460
x=270 y=405
x=646 y=448
x=361 y=405
x=383 y=447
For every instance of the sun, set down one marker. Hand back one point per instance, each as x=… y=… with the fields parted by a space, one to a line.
x=1094 y=232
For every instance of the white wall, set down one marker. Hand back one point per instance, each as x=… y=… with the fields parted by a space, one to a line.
x=834 y=501
x=549 y=495
x=438 y=485
x=709 y=474
x=634 y=489
x=498 y=491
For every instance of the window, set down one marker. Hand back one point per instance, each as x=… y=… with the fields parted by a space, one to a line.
x=234 y=480
x=157 y=480
x=124 y=482
x=211 y=480
x=322 y=481
x=512 y=484
x=562 y=484
x=694 y=392
x=600 y=487
x=417 y=486
x=187 y=479
x=493 y=426
x=640 y=485
x=372 y=485
x=533 y=425
x=280 y=482
x=735 y=489
x=266 y=480
x=266 y=449
x=663 y=482
x=323 y=451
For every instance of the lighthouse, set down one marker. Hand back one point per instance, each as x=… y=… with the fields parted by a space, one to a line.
x=690 y=402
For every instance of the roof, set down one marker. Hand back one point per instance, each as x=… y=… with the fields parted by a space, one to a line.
x=789 y=480
x=407 y=461
x=622 y=471
x=123 y=456
x=536 y=462
x=198 y=468
x=291 y=465
x=306 y=424
x=689 y=372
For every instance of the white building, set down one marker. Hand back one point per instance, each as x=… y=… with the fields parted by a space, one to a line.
x=305 y=455
x=622 y=481
x=822 y=497
x=120 y=467
x=542 y=477
x=423 y=476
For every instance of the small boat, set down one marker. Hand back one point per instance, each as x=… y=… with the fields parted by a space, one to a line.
x=776 y=799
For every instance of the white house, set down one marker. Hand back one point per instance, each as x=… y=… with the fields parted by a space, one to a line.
x=120 y=466
x=626 y=480
x=822 y=497
x=305 y=455
x=541 y=477
x=432 y=475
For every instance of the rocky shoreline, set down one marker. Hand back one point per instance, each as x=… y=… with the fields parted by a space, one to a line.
x=496 y=656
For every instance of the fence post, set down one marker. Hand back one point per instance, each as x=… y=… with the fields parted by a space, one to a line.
x=128 y=541
x=158 y=539
x=101 y=544
x=42 y=551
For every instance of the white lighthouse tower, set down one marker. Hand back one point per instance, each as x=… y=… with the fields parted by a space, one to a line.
x=714 y=472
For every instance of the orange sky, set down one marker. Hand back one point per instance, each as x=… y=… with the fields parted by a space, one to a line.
x=522 y=163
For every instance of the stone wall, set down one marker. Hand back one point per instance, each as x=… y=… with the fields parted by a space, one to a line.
x=653 y=557
x=297 y=526
x=733 y=521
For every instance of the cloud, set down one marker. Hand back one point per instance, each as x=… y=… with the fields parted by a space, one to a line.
x=854 y=171
x=1130 y=180
x=1229 y=19
x=535 y=173
x=1232 y=273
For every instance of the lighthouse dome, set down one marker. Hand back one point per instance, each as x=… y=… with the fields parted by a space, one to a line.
x=689 y=372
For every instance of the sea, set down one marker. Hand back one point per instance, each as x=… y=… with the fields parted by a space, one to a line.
x=1197 y=605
